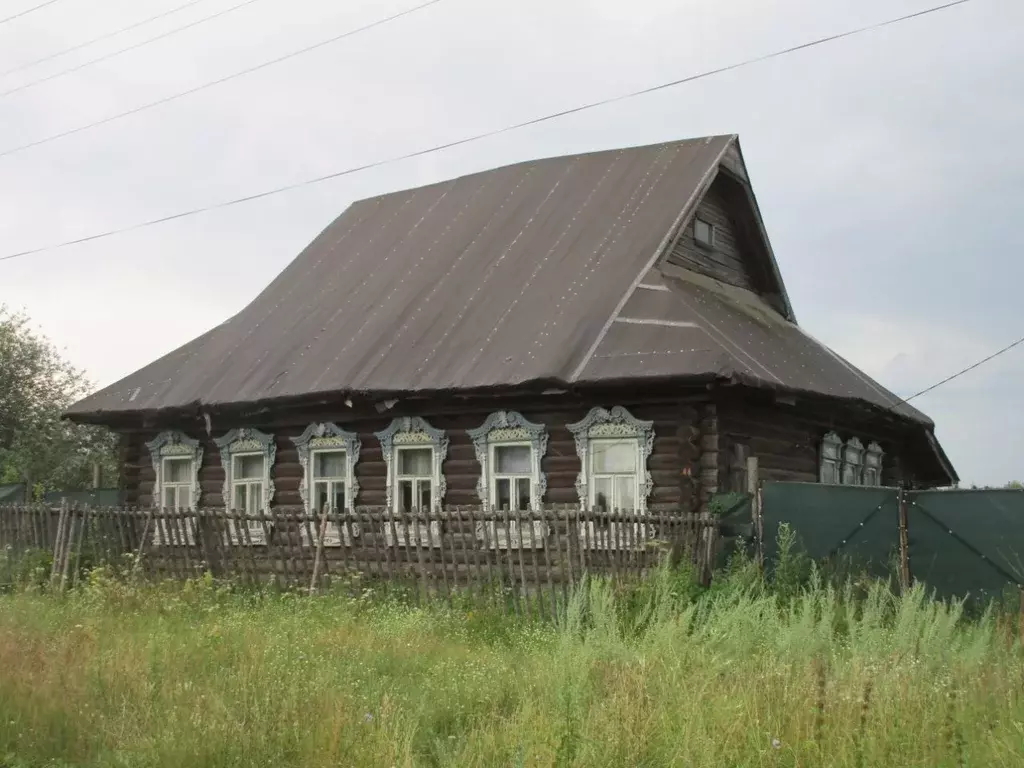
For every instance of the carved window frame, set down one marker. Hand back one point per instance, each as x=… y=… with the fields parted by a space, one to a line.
x=322 y=438
x=873 y=464
x=620 y=425
x=247 y=442
x=172 y=444
x=413 y=432
x=853 y=460
x=831 y=464
x=510 y=428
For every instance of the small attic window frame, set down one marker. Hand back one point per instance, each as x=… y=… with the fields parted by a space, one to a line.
x=699 y=225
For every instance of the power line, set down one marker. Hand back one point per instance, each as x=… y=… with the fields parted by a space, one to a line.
x=98 y=38
x=469 y=139
x=226 y=78
x=132 y=47
x=27 y=11
x=958 y=374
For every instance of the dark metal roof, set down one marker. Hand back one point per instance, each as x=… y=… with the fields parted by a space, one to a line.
x=541 y=271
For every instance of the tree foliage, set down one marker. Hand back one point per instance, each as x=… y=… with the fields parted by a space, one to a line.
x=37 y=446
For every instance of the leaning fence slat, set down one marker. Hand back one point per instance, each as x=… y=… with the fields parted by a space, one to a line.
x=314 y=579
x=524 y=586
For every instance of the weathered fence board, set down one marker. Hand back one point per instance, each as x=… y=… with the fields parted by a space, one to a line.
x=531 y=558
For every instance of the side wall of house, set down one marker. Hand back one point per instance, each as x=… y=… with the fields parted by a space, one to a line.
x=672 y=463
x=786 y=440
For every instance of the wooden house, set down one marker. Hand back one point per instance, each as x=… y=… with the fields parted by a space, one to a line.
x=609 y=329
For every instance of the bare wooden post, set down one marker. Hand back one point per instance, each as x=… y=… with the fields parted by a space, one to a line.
x=905 y=578
x=142 y=542
x=78 y=548
x=58 y=541
x=97 y=475
x=319 y=551
x=438 y=547
x=524 y=587
x=73 y=528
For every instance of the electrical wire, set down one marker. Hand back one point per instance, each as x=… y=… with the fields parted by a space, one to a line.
x=126 y=49
x=958 y=374
x=27 y=11
x=477 y=137
x=226 y=78
x=98 y=38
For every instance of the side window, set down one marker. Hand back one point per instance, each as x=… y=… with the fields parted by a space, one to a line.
x=613 y=448
x=873 y=465
x=509 y=450
x=176 y=461
x=853 y=462
x=247 y=456
x=328 y=456
x=831 y=446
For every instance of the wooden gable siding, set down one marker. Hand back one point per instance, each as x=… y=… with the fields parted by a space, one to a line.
x=730 y=259
x=786 y=439
x=672 y=458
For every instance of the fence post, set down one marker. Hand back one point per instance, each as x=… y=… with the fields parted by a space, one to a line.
x=905 y=578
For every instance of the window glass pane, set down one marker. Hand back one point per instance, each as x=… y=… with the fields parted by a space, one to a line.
x=339 y=497
x=614 y=457
x=169 y=498
x=330 y=464
x=512 y=459
x=247 y=467
x=503 y=493
x=405 y=496
x=603 y=492
x=177 y=470
x=255 y=497
x=424 y=495
x=239 y=501
x=320 y=497
x=523 y=493
x=415 y=461
x=849 y=475
x=625 y=498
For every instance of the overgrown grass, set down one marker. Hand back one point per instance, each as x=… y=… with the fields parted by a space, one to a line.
x=800 y=673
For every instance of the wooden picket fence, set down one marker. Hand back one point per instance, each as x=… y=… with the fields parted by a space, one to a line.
x=529 y=559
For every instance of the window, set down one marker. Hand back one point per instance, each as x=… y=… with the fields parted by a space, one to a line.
x=853 y=461
x=509 y=450
x=415 y=479
x=247 y=456
x=613 y=448
x=414 y=453
x=873 y=465
x=704 y=233
x=176 y=461
x=830 y=459
x=328 y=456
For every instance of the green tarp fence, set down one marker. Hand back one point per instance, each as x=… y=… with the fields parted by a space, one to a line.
x=959 y=543
x=102 y=497
x=12 y=494
x=967 y=542
x=858 y=524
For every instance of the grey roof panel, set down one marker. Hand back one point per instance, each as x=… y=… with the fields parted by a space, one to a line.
x=523 y=273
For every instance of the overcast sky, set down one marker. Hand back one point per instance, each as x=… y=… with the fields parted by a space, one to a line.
x=887 y=165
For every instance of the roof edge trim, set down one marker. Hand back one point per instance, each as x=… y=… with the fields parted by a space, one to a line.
x=699 y=191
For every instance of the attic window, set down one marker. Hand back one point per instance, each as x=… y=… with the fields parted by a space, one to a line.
x=704 y=233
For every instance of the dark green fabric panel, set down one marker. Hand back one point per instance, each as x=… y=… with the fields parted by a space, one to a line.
x=967 y=542
x=857 y=523
x=11 y=494
x=103 y=497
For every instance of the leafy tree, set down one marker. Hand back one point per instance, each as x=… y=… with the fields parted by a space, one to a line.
x=37 y=385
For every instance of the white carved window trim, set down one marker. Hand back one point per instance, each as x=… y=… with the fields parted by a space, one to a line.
x=175 y=445
x=616 y=425
x=873 y=465
x=853 y=459
x=413 y=432
x=236 y=444
x=830 y=469
x=510 y=429
x=327 y=438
